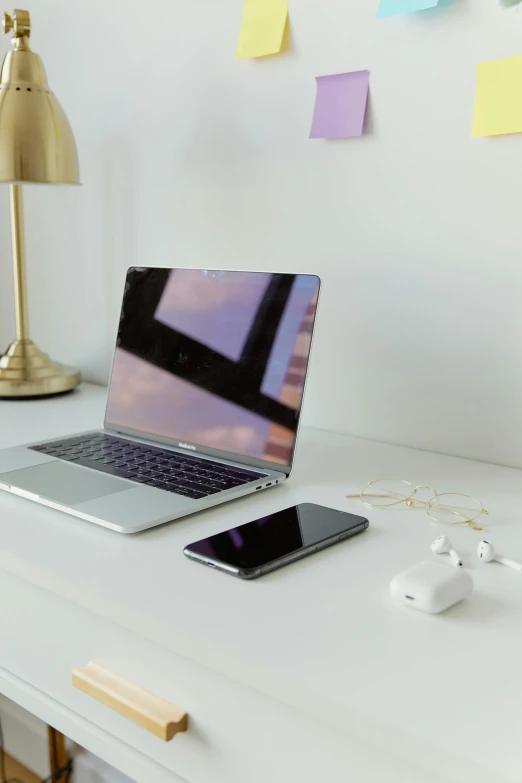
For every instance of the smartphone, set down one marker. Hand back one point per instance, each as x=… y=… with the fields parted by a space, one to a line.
x=255 y=548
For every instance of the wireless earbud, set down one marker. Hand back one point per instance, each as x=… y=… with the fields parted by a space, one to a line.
x=487 y=553
x=443 y=545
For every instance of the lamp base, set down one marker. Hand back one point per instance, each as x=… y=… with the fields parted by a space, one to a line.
x=27 y=372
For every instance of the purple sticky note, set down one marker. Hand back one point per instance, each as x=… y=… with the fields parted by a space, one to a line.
x=340 y=105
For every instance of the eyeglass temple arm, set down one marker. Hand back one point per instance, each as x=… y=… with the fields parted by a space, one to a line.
x=396 y=495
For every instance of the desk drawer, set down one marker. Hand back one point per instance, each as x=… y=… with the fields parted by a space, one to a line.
x=234 y=734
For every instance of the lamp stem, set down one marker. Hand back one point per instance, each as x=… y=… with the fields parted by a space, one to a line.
x=20 y=282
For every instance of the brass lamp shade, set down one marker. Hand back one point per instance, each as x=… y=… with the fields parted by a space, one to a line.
x=36 y=146
x=36 y=140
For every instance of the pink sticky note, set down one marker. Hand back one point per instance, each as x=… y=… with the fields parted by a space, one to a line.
x=340 y=105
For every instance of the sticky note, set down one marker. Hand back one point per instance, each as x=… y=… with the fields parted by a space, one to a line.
x=340 y=105
x=394 y=7
x=262 y=28
x=498 y=98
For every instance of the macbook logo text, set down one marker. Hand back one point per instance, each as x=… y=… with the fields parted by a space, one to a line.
x=186 y=446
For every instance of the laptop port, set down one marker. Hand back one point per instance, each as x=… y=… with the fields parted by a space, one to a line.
x=269 y=485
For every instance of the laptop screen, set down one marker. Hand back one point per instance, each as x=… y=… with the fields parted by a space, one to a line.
x=213 y=358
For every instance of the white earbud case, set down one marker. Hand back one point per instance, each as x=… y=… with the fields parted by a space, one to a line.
x=431 y=587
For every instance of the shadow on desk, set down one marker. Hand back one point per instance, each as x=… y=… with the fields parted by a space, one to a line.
x=479 y=607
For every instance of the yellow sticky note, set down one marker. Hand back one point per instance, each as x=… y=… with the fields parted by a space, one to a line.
x=498 y=98
x=262 y=28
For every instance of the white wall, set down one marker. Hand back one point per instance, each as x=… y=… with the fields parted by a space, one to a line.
x=189 y=157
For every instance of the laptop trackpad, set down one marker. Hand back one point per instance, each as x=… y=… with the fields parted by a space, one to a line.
x=64 y=483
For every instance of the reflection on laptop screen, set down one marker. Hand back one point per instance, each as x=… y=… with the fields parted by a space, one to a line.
x=216 y=359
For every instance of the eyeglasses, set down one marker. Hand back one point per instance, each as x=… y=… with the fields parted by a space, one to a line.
x=448 y=508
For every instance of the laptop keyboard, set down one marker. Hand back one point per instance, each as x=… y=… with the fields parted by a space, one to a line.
x=178 y=473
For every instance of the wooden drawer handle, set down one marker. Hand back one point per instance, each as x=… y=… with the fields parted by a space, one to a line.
x=138 y=705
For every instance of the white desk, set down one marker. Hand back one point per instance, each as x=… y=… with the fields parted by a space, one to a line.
x=309 y=673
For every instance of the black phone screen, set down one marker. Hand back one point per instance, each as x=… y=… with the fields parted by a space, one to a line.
x=270 y=538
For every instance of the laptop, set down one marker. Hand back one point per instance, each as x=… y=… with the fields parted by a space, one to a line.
x=203 y=404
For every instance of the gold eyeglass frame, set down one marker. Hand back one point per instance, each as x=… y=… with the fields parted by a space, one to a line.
x=411 y=500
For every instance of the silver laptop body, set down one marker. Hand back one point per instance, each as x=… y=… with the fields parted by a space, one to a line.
x=203 y=404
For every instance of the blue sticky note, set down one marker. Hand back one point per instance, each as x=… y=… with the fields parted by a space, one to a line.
x=393 y=7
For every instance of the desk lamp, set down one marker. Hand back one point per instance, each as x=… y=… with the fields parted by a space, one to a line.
x=36 y=146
